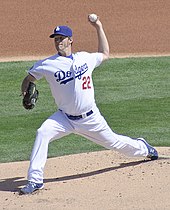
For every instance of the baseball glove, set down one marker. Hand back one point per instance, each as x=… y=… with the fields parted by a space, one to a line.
x=30 y=97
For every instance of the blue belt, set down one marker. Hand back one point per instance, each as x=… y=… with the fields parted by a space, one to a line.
x=72 y=117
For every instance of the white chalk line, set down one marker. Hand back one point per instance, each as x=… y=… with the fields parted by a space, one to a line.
x=116 y=55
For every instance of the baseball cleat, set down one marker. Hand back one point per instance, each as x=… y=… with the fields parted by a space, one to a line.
x=31 y=187
x=152 y=153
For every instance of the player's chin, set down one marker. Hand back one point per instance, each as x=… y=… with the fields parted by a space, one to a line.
x=61 y=52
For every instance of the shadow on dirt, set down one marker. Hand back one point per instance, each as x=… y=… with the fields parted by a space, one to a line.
x=14 y=184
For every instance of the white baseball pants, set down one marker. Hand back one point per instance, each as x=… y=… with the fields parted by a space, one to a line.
x=94 y=128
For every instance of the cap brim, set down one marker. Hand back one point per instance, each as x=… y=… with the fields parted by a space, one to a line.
x=53 y=35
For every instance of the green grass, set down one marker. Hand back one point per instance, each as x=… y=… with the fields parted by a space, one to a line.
x=133 y=94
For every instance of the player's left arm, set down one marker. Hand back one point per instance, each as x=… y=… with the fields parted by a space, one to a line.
x=103 y=45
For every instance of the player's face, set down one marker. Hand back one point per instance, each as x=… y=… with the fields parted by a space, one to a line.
x=62 y=42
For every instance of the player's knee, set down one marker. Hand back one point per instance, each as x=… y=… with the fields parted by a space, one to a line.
x=42 y=131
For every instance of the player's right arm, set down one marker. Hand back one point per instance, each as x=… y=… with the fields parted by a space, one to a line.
x=25 y=83
x=103 y=45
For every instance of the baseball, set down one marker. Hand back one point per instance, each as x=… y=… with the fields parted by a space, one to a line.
x=93 y=18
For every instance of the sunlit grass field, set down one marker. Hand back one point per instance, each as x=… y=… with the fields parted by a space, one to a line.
x=133 y=94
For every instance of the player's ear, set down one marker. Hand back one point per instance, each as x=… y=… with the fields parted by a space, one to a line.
x=71 y=40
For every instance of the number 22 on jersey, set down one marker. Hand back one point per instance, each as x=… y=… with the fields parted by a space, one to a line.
x=86 y=82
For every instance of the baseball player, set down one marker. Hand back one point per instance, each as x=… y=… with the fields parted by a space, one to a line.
x=70 y=79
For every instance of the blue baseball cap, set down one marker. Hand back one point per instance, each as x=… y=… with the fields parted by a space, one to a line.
x=62 y=30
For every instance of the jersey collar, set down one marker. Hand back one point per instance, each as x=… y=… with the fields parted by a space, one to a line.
x=70 y=56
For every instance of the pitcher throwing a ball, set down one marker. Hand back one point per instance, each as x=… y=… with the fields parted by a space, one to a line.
x=70 y=79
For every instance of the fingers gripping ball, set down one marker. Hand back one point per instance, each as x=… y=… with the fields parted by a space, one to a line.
x=30 y=97
x=93 y=18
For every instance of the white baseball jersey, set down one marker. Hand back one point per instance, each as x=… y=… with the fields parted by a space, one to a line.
x=70 y=80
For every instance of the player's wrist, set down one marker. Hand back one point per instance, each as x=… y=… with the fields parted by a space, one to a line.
x=98 y=25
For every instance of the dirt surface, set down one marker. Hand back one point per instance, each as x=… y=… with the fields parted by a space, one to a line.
x=92 y=181
x=132 y=27
x=100 y=180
